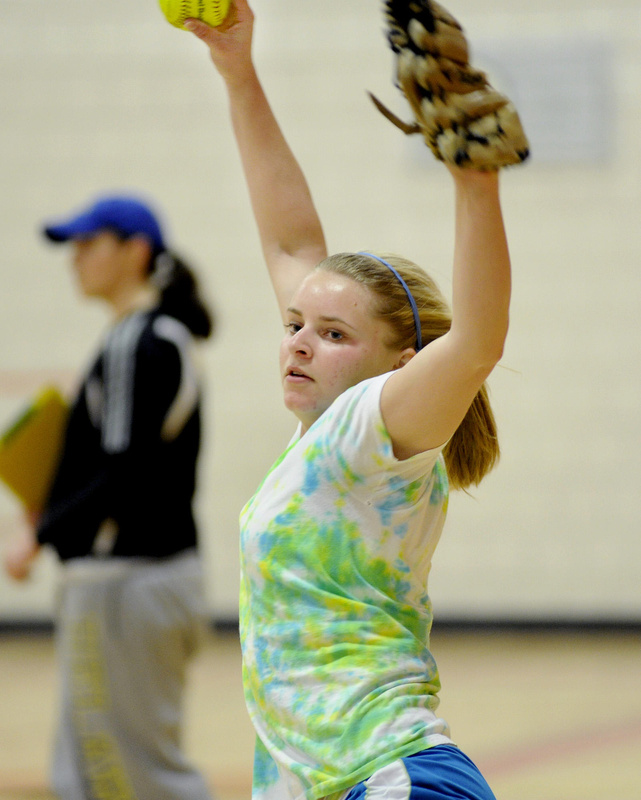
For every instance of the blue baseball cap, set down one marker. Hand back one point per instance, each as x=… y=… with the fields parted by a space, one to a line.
x=123 y=214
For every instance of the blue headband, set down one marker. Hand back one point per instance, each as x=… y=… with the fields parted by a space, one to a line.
x=399 y=278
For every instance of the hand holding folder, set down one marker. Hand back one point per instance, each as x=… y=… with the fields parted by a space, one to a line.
x=30 y=448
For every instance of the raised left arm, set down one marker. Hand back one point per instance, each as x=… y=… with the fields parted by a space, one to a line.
x=424 y=402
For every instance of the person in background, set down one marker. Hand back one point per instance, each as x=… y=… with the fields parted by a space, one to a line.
x=388 y=388
x=120 y=517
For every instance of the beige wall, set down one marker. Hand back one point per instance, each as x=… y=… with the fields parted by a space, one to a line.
x=103 y=96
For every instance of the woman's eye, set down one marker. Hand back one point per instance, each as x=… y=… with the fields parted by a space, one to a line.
x=293 y=327
x=335 y=336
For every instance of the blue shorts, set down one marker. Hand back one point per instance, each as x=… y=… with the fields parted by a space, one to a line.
x=441 y=773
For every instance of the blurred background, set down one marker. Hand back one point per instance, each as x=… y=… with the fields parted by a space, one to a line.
x=109 y=96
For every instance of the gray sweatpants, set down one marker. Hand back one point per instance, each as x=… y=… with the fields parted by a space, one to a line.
x=125 y=633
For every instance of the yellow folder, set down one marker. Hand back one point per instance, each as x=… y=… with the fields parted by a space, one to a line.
x=31 y=446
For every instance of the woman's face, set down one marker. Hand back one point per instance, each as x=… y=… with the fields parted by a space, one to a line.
x=98 y=263
x=332 y=342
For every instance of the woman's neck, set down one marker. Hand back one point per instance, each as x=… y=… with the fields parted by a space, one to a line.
x=140 y=298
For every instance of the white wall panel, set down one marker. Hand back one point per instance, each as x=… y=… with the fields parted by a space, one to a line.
x=105 y=96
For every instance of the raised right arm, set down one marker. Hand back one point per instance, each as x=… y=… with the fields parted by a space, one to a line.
x=290 y=231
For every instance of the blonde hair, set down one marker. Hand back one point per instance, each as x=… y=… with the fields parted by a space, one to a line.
x=473 y=450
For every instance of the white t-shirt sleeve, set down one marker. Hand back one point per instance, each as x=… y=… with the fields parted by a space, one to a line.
x=353 y=429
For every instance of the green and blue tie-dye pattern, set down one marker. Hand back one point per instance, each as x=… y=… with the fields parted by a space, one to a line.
x=335 y=617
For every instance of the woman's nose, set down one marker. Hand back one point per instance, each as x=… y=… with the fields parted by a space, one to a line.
x=76 y=251
x=299 y=342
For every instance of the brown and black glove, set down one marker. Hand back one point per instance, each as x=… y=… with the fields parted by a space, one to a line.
x=463 y=119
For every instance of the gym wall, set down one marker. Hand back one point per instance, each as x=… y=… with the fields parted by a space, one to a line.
x=109 y=96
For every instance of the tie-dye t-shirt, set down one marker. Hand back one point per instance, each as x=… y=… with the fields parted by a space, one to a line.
x=335 y=617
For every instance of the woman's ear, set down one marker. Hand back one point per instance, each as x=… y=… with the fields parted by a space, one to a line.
x=405 y=356
x=140 y=252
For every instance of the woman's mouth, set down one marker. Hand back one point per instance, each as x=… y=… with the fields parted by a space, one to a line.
x=296 y=375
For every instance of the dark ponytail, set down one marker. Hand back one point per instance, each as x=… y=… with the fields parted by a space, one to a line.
x=180 y=294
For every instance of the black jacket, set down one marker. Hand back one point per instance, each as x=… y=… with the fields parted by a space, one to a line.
x=131 y=448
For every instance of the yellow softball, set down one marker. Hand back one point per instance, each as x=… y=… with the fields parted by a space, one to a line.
x=213 y=12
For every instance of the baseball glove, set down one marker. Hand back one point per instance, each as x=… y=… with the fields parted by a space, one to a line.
x=462 y=118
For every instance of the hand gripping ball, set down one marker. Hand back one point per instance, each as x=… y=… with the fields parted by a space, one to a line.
x=213 y=12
